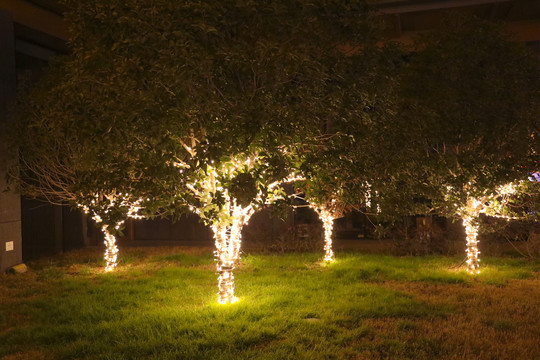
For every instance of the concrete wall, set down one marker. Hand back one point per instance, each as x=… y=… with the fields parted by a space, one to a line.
x=10 y=208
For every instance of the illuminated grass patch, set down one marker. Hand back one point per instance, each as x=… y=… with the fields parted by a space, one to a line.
x=161 y=304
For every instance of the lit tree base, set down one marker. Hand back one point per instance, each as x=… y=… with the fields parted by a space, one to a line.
x=111 y=250
x=228 y=239
x=328 y=253
x=470 y=222
x=226 y=287
x=328 y=225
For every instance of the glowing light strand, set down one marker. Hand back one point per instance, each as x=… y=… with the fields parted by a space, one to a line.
x=491 y=205
x=227 y=237
x=328 y=225
x=111 y=250
x=227 y=225
x=471 y=231
x=328 y=213
x=469 y=214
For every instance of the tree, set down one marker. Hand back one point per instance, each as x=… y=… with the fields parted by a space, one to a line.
x=470 y=119
x=226 y=195
x=71 y=153
x=274 y=86
x=341 y=166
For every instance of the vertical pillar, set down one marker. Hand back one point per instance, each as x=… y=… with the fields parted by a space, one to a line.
x=10 y=205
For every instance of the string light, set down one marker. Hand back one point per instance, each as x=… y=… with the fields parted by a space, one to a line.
x=470 y=213
x=492 y=205
x=227 y=224
x=471 y=231
x=111 y=250
x=328 y=212
x=367 y=196
x=112 y=200
x=328 y=224
x=228 y=240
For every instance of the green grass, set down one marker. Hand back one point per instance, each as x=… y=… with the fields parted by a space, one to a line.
x=163 y=305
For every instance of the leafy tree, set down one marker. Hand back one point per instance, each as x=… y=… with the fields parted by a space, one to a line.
x=276 y=83
x=339 y=166
x=468 y=123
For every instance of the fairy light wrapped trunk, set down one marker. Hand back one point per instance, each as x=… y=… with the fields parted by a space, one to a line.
x=226 y=220
x=493 y=205
x=328 y=212
x=470 y=214
x=228 y=236
x=227 y=195
x=114 y=208
x=328 y=225
x=111 y=250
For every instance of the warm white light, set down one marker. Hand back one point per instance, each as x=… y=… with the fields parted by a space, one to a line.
x=491 y=205
x=471 y=231
x=111 y=250
x=227 y=238
x=507 y=189
x=227 y=225
x=328 y=224
x=327 y=217
x=470 y=213
x=231 y=217
x=113 y=200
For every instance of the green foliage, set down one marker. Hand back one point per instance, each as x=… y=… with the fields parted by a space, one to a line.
x=152 y=85
x=154 y=93
x=466 y=121
x=471 y=109
x=339 y=165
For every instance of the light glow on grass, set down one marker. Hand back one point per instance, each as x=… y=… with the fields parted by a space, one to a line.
x=163 y=306
x=233 y=300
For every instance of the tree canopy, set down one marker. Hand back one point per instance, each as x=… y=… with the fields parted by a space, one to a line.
x=148 y=85
x=467 y=121
x=170 y=106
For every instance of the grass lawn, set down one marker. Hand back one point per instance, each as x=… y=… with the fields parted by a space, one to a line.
x=162 y=304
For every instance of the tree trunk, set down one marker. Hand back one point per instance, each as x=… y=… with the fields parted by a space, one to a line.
x=470 y=222
x=111 y=250
x=227 y=235
x=327 y=219
x=227 y=243
x=328 y=225
x=471 y=231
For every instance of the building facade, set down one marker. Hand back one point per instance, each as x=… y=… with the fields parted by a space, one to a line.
x=30 y=34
